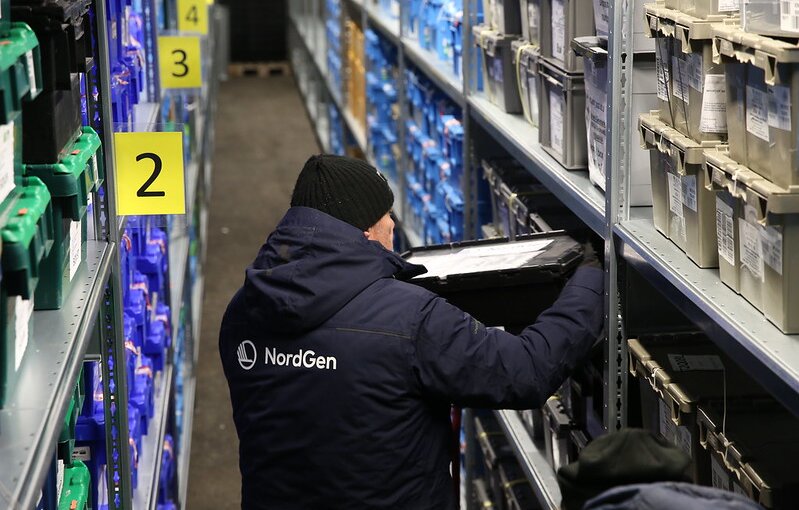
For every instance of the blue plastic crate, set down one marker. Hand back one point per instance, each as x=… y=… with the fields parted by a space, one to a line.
x=454 y=207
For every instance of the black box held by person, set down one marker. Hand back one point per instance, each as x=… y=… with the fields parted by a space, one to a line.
x=499 y=282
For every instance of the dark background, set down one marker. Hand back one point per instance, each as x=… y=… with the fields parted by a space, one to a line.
x=257 y=30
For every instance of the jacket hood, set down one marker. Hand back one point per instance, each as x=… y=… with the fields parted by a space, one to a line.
x=310 y=267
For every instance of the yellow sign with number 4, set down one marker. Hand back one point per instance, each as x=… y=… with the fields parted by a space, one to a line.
x=179 y=61
x=193 y=16
x=149 y=173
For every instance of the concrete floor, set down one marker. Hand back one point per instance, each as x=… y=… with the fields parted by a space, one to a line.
x=263 y=137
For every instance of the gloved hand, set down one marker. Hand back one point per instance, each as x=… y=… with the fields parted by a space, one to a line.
x=590 y=258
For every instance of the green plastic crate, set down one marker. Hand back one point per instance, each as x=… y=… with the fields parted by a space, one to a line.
x=20 y=70
x=76 y=488
x=70 y=181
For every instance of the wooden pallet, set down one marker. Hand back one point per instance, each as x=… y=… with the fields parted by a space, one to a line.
x=259 y=69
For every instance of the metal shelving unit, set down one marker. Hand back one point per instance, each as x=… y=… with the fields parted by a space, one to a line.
x=30 y=423
x=430 y=66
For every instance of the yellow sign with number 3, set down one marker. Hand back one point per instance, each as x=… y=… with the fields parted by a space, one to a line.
x=149 y=173
x=179 y=60
x=193 y=16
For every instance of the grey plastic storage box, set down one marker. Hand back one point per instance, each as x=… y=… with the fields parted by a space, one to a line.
x=562 y=22
x=677 y=373
x=562 y=115
x=691 y=85
x=768 y=240
x=706 y=9
x=505 y=17
x=531 y=19
x=763 y=82
x=500 y=84
x=753 y=447
x=770 y=17
x=644 y=98
x=683 y=208
x=525 y=59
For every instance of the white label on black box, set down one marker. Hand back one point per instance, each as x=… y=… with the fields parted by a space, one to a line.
x=714 y=105
x=779 y=107
x=772 y=247
x=728 y=5
x=789 y=15
x=696 y=67
x=558 y=30
x=75 y=242
x=757 y=113
x=556 y=105
x=83 y=453
x=682 y=77
x=662 y=68
x=689 y=363
x=23 y=310
x=751 y=248
x=725 y=231
x=6 y=159
x=31 y=72
x=720 y=478
x=689 y=192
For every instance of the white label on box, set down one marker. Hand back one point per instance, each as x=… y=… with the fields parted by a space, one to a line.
x=6 y=159
x=772 y=247
x=757 y=113
x=779 y=107
x=689 y=363
x=719 y=476
x=556 y=121
x=83 y=453
x=714 y=105
x=662 y=68
x=59 y=479
x=675 y=194
x=728 y=5
x=751 y=248
x=558 y=30
x=689 y=192
x=789 y=15
x=22 y=320
x=725 y=232
x=670 y=431
x=682 y=77
x=95 y=170
x=683 y=439
x=697 y=69
x=32 y=73
x=597 y=133
x=74 y=248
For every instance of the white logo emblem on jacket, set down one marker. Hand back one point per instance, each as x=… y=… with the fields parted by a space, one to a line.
x=247 y=354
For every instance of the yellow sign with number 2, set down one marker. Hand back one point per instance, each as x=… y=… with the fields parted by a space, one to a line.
x=149 y=173
x=179 y=60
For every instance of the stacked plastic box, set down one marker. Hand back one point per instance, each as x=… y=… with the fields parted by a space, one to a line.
x=438 y=24
x=434 y=143
x=381 y=82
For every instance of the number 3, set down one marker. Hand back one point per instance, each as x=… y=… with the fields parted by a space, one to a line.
x=157 y=164
x=180 y=62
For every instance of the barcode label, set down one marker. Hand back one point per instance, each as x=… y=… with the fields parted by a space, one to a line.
x=725 y=231
x=789 y=15
x=757 y=113
x=662 y=68
x=675 y=194
x=689 y=192
x=779 y=107
x=751 y=248
x=682 y=78
x=772 y=247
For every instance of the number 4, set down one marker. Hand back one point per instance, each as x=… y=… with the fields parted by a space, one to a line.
x=193 y=15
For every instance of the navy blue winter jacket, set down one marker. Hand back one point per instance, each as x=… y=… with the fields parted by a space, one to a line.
x=668 y=496
x=342 y=375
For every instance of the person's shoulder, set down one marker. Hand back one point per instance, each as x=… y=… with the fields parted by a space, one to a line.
x=404 y=288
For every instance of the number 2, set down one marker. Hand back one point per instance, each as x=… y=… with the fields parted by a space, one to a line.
x=180 y=62
x=157 y=164
x=192 y=16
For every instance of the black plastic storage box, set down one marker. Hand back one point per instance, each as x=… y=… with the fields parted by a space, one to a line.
x=500 y=283
x=50 y=123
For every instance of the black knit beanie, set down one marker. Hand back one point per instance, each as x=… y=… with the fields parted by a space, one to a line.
x=345 y=188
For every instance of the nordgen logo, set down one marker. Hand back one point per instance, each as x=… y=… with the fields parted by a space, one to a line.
x=302 y=359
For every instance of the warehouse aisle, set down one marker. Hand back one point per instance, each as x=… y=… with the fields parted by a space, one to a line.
x=262 y=139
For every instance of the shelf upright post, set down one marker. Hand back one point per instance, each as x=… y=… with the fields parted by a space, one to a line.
x=617 y=164
x=402 y=166
x=470 y=180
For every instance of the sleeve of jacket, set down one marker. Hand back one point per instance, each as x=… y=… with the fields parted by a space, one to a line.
x=459 y=360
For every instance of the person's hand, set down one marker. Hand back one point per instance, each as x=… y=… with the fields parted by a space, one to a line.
x=590 y=258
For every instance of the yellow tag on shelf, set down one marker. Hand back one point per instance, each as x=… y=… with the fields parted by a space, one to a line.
x=149 y=173
x=179 y=60
x=193 y=16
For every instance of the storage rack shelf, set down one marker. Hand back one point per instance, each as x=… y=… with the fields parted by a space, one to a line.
x=429 y=64
x=29 y=428
x=388 y=27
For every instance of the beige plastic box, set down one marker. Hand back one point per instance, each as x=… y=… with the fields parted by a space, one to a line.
x=683 y=208
x=690 y=84
x=777 y=18
x=763 y=84
x=768 y=240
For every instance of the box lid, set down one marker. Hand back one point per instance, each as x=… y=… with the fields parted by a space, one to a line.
x=731 y=42
x=684 y=27
x=593 y=47
x=657 y=135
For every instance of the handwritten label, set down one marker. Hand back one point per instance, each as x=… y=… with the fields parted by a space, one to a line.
x=714 y=105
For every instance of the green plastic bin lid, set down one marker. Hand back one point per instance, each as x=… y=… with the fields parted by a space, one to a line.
x=27 y=233
x=16 y=44
x=72 y=178
x=75 y=491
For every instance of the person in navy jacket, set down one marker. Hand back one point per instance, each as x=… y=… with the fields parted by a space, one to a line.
x=342 y=374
